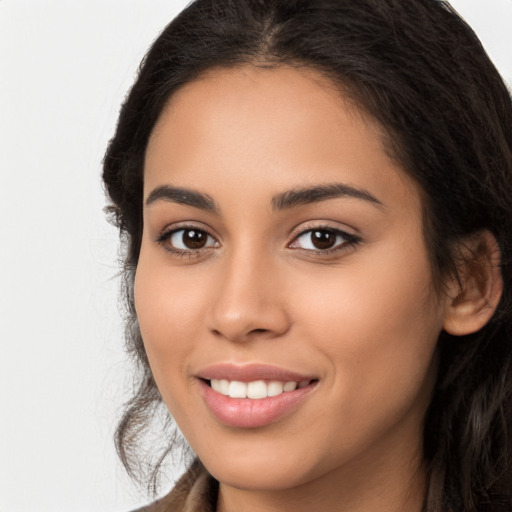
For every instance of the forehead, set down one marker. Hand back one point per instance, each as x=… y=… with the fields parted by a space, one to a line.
x=249 y=96
x=237 y=124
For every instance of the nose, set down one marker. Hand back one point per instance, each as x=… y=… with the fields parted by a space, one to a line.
x=248 y=301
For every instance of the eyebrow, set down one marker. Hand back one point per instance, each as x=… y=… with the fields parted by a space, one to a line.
x=303 y=196
x=283 y=201
x=182 y=196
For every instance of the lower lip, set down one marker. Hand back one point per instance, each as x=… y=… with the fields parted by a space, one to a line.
x=252 y=413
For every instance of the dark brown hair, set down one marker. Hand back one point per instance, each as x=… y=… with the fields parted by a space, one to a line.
x=421 y=72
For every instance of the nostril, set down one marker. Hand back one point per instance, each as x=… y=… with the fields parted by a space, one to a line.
x=247 y=322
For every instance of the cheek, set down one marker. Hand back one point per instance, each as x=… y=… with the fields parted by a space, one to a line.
x=378 y=324
x=167 y=315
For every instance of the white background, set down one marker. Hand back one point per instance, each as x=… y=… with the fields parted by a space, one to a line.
x=64 y=69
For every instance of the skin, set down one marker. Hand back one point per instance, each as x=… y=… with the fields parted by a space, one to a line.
x=363 y=319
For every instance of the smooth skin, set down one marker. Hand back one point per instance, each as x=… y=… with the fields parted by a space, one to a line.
x=250 y=284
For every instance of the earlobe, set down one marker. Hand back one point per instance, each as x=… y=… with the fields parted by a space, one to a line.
x=474 y=296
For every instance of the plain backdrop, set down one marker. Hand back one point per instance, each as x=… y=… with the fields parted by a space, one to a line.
x=65 y=67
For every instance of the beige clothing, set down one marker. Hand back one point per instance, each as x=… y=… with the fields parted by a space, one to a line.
x=196 y=491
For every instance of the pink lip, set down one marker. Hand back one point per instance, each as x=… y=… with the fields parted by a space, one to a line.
x=250 y=372
x=249 y=413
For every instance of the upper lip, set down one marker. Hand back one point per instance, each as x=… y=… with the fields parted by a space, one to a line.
x=251 y=372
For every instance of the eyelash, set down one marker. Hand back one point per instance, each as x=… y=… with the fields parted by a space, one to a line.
x=167 y=234
x=350 y=241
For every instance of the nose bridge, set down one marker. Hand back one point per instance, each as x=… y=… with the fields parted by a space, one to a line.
x=247 y=301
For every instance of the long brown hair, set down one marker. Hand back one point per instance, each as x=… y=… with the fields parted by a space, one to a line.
x=421 y=72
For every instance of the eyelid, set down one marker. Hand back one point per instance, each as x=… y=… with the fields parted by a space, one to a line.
x=323 y=224
x=178 y=226
x=175 y=232
x=351 y=238
x=164 y=235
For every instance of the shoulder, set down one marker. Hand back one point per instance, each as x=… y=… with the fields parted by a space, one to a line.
x=196 y=491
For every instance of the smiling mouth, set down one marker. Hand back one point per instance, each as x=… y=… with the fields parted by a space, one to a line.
x=257 y=389
x=253 y=396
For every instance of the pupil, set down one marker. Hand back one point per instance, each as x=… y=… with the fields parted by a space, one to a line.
x=194 y=239
x=323 y=239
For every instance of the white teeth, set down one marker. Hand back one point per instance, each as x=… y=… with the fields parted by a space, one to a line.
x=290 y=386
x=274 y=388
x=256 y=389
x=237 y=389
x=224 y=387
x=215 y=384
x=221 y=386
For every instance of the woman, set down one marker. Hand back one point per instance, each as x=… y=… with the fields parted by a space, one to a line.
x=316 y=199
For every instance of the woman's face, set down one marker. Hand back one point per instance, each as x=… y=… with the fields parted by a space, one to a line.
x=282 y=245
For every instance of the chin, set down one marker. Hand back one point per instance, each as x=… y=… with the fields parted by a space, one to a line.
x=251 y=477
x=260 y=467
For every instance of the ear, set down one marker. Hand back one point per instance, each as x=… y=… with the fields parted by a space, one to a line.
x=474 y=293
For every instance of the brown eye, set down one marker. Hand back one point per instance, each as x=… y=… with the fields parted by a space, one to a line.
x=323 y=239
x=191 y=239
